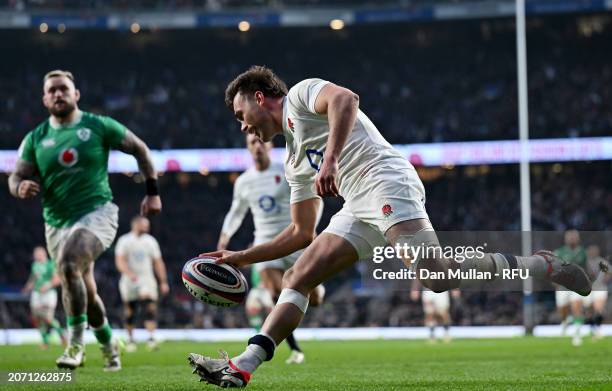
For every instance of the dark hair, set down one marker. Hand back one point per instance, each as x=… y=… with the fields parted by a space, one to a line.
x=256 y=78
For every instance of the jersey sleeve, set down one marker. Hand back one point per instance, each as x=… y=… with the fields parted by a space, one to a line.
x=301 y=191
x=114 y=131
x=156 y=251
x=120 y=247
x=26 y=150
x=237 y=211
x=304 y=94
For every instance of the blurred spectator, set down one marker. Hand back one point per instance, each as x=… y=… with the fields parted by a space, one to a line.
x=418 y=82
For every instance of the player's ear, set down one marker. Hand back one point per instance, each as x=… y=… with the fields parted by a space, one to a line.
x=77 y=95
x=259 y=98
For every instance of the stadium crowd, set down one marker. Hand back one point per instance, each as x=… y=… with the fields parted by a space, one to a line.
x=208 y=5
x=573 y=195
x=452 y=81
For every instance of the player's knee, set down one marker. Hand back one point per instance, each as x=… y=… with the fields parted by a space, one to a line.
x=69 y=268
x=150 y=310
x=288 y=277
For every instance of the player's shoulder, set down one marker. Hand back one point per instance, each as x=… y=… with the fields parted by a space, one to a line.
x=90 y=118
x=38 y=132
x=307 y=83
x=149 y=238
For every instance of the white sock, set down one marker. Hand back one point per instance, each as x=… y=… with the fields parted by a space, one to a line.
x=535 y=264
x=76 y=333
x=250 y=359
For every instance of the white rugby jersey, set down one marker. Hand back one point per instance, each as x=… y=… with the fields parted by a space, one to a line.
x=266 y=193
x=306 y=134
x=140 y=252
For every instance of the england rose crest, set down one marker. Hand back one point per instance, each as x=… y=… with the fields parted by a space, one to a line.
x=387 y=210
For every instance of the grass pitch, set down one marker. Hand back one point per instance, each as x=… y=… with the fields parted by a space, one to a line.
x=500 y=364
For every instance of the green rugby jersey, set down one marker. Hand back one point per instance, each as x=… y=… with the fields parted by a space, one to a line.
x=576 y=255
x=73 y=164
x=42 y=273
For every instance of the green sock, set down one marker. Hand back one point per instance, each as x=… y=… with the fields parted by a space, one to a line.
x=76 y=325
x=578 y=321
x=103 y=333
x=256 y=321
x=44 y=333
x=55 y=326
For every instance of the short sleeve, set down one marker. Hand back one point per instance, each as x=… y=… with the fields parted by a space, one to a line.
x=120 y=248
x=304 y=94
x=156 y=251
x=114 y=131
x=26 y=150
x=301 y=191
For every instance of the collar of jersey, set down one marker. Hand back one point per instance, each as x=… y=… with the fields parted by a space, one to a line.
x=76 y=121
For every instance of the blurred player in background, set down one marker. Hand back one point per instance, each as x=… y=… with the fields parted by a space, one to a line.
x=65 y=159
x=139 y=260
x=258 y=303
x=42 y=284
x=598 y=269
x=264 y=190
x=334 y=149
x=570 y=304
x=436 y=308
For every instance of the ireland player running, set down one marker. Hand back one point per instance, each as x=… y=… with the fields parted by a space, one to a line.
x=42 y=284
x=65 y=159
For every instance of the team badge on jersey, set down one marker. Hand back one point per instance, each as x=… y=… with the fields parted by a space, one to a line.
x=83 y=133
x=68 y=157
x=387 y=210
x=267 y=203
x=277 y=179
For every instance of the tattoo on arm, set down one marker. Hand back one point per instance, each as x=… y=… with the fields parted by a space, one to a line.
x=134 y=146
x=23 y=170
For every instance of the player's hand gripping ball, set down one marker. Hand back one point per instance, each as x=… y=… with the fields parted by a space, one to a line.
x=221 y=285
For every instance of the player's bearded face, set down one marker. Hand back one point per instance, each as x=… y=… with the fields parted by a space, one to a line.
x=60 y=96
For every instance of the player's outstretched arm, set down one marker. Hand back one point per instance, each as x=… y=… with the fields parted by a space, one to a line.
x=134 y=146
x=298 y=235
x=20 y=183
x=341 y=106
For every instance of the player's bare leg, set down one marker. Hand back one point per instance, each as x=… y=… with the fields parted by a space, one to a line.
x=430 y=323
x=564 y=316
x=129 y=312
x=578 y=316
x=599 y=309
x=326 y=256
x=272 y=280
x=79 y=295
x=542 y=265
x=150 y=322
x=445 y=320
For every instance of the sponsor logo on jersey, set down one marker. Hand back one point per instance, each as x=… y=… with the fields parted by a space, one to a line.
x=387 y=210
x=48 y=142
x=83 y=133
x=68 y=157
x=290 y=124
x=267 y=203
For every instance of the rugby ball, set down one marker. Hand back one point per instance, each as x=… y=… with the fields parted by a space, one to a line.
x=217 y=284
